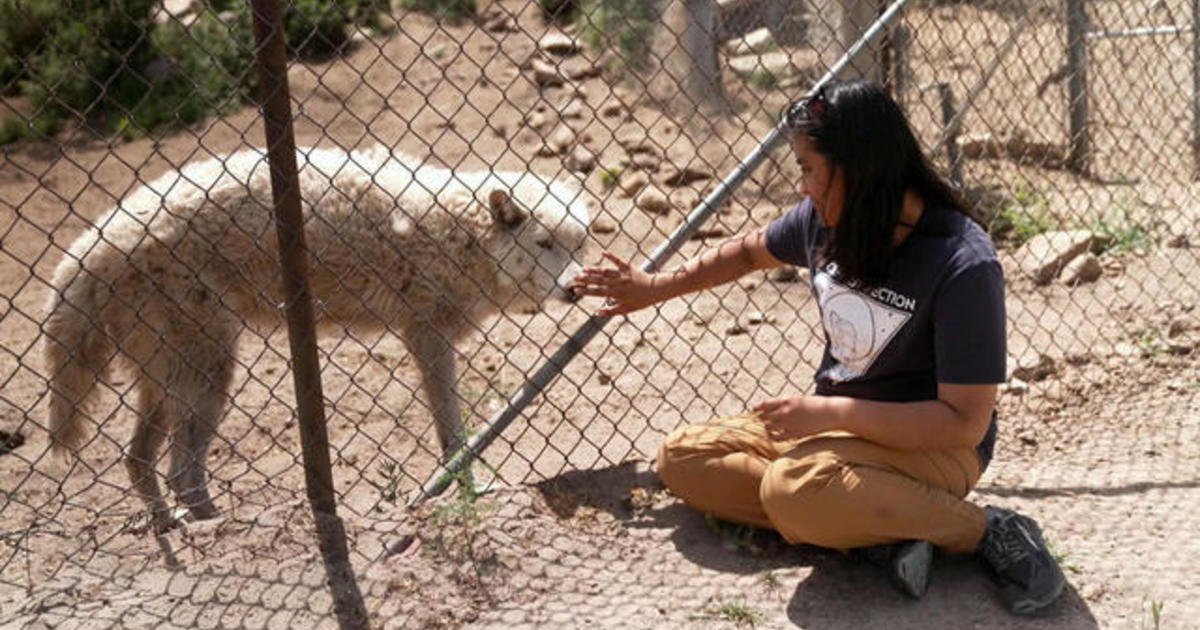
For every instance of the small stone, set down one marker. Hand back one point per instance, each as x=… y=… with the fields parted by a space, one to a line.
x=1016 y=386
x=558 y=43
x=1043 y=256
x=645 y=161
x=603 y=378
x=538 y=120
x=1178 y=326
x=1033 y=368
x=578 y=68
x=574 y=109
x=581 y=160
x=544 y=74
x=759 y=317
x=735 y=329
x=603 y=226
x=683 y=175
x=755 y=42
x=784 y=273
x=1081 y=270
x=653 y=200
x=612 y=108
x=633 y=183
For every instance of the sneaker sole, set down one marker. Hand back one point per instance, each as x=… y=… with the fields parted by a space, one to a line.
x=1029 y=606
x=910 y=568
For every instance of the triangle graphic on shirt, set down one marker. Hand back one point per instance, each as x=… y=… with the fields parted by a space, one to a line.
x=858 y=326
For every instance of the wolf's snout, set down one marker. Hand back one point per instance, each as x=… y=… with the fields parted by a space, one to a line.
x=565 y=284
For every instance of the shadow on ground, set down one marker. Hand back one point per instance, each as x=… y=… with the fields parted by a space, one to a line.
x=834 y=590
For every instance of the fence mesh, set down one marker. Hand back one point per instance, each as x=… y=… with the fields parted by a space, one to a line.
x=635 y=110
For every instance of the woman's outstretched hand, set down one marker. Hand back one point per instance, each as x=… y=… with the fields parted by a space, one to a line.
x=626 y=287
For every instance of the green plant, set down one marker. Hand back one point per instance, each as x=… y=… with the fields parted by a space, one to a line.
x=13 y=129
x=1149 y=342
x=1118 y=235
x=1023 y=216
x=389 y=484
x=447 y=9
x=762 y=79
x=1063 y=558
x=609 y=177
x=558 y=11
x=737 y=612
x=1156 y=608
x=626 y=25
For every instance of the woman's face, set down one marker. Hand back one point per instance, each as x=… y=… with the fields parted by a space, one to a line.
x=825 y=185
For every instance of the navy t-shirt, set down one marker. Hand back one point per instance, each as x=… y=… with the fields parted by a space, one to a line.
x=938 y=317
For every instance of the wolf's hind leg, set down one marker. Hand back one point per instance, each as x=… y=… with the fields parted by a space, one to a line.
x=199 y=390
x=142 y=456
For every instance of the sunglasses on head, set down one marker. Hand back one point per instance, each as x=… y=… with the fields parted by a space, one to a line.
x=805 y=110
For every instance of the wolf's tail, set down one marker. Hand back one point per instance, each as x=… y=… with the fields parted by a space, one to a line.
x=77 y=351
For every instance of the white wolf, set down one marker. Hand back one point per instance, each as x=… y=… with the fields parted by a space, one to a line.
x=168 y=279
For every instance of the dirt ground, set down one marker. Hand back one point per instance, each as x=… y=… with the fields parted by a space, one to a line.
x=1099 y=443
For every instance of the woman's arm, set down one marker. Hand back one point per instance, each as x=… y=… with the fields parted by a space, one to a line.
x=629 y=288
x=959 y=418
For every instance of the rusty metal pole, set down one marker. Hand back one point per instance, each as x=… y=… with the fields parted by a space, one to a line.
x=306 y=369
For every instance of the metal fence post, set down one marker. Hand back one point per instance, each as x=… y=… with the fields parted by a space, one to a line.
x=1195 y=90
x=950 y=133
x=306 y=370
x=1079 y=157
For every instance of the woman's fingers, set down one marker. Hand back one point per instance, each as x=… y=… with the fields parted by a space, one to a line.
x=621 y=264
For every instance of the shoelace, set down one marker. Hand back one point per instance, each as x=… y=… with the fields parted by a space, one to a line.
x=1007 y=544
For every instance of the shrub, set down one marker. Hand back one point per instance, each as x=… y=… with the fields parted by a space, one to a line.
x=452 y=9
x=110 y=66
x=626 y=25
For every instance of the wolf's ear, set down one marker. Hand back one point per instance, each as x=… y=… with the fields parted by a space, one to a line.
x=504 y=210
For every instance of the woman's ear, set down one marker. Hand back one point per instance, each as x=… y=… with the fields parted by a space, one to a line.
x=504 y=210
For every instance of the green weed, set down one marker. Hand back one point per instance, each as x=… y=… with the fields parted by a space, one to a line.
x=445 y=9
x=1119 y=235
x=1063 y=558
x=609 y=177
x=762 y=79
x=1155 y=614
x=624 y=25
x=1023 y=216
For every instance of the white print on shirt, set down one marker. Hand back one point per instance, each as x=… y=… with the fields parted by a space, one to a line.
x=859 y=325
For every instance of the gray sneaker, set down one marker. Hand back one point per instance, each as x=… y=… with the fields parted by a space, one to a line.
x=1014 y=549
x=907 y=564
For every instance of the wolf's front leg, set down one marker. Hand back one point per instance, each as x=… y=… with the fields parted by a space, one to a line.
x=435 y=359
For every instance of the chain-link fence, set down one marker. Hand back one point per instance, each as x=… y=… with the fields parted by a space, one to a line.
x=451 y=155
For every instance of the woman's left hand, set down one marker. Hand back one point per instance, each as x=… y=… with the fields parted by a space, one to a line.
x=792 y=417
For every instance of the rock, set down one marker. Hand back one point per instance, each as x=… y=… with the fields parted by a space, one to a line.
x=538 y=120
x=1016 y=386
x=752 y=43
x=682 y=175
x=645 y=161
x=653 y=200
x=759 y=317
x=778 y=65
x=735 y=329
x=558 y=43
x=581 y=160
x=1178 y=326
x=612 y=108
x=603 y=226
x=544 y=74
x=1043 y=256
x=578 y=68
x=1178 y=241
x=1082 y=269
x=1033 y=368
x=785 y=273
x=557 y=143
x=633 y=183
x=574 y=109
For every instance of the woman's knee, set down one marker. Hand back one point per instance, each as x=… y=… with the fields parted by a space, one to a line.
x=805 y=498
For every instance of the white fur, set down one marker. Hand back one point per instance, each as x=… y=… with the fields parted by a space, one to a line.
x=168 y=279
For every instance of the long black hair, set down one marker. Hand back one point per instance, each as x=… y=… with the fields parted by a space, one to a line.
x=858 y=127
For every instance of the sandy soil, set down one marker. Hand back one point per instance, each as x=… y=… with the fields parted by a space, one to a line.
x=1101 y=447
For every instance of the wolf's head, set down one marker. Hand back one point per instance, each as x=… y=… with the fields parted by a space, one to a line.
x=541 y=230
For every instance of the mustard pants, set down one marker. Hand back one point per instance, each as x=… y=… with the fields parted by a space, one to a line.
x=831 y=489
